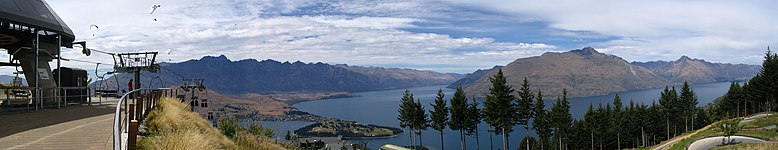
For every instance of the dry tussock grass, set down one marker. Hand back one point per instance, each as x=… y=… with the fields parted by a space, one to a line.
x=771 y=146
x=172 y=126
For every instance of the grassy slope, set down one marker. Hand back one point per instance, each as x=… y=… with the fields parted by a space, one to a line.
x=171 y=126
x=762 y=134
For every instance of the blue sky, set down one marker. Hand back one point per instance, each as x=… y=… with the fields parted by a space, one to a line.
x=446 y=36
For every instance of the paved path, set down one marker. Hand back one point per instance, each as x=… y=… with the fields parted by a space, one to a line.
x=752 y=118
x=75 y=127
x=677 y=139
x=708 y=143
x=672 y=142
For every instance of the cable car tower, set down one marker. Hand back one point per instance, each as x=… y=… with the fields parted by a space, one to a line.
x=135 y=63
x=193 y=85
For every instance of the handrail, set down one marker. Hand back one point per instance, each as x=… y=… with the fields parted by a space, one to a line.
x=117 y=130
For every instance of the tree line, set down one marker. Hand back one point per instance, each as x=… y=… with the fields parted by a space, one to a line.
x=613 y=125
x=606 y=126
x=759 y=94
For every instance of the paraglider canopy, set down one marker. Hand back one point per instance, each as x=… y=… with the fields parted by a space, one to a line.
x=36 y=14
x=154 y=8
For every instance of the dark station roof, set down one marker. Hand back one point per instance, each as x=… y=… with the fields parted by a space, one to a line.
x=37 y=14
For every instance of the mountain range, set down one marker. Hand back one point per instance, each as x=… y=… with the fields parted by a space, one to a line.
x=587 y=72
x=699 y=71
x=270 y=76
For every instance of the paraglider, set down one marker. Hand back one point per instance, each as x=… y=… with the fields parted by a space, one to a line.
x=93 y=27
x=168 y=51
x=154 y=8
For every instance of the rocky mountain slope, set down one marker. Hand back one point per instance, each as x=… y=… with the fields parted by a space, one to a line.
x=270 y=76
x=469 y=78
x=700 y=71
x=583 y=72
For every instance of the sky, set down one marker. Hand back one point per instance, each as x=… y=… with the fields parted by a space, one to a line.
x=458 y=36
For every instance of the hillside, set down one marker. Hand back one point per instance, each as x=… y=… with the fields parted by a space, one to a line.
x=700 y=71
x=583 y=72
x=270 y=76
x=469 y=78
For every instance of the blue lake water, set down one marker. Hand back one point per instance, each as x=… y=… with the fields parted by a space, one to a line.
x=380 y=108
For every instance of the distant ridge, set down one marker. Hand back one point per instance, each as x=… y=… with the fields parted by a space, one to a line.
x=700 y=71
x=469 y=78
x=587 y=72
x=270 y=76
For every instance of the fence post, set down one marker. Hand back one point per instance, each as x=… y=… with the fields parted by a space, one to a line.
x=131 y=112
x=139 y=109
x=132 y=135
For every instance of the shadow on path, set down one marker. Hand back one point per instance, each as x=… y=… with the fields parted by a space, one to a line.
x=19 y=122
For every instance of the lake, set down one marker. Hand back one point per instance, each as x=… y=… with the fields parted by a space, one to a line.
x=380 y=108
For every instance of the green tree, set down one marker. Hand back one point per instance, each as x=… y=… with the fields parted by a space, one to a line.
x=230 y=127
x=541 y=123
x=730 y=128
x=256 y=129
x=406 y=112
x=766 y=87
x=288 y=136
x=459 y=114
x=561 y=119
x=689 y=100
x=524 y=107
x=590 y=124
x=439 y=115
x=667 y=100
x=617 y=119
x=499 y=111
x=475 y=119
x=420 y=120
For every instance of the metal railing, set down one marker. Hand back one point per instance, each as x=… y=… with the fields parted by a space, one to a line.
x=136 y=105
x=12 y=98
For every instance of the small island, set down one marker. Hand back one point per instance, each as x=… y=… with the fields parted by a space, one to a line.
x=346 y=129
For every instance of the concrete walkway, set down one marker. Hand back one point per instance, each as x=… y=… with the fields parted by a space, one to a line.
x=752 y=118
x=708 y=143
x=74 y=127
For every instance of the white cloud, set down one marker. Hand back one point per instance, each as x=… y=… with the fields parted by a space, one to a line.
x=355 y=32
x=368 y=32
x=726 y=31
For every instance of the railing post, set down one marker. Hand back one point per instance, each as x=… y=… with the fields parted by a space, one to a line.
x=131 y=112
x=139 y=109
x=148 y=106
x=66 y=97
x=132 y=135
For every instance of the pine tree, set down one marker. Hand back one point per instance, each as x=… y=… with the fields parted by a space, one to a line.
x=475 y=119
x=561 y=119
x=676 y=109
x=288 y=136
x=541 y=123
x=439 y=115
x=524 y=107
x=406 y=112
x=733 y=100
x=689 y=100
x=499 y=111
x=617 y=120
x=667 y=108
x=459 y=114
x=590 y=124
x=768 y=88
x=420 y=120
